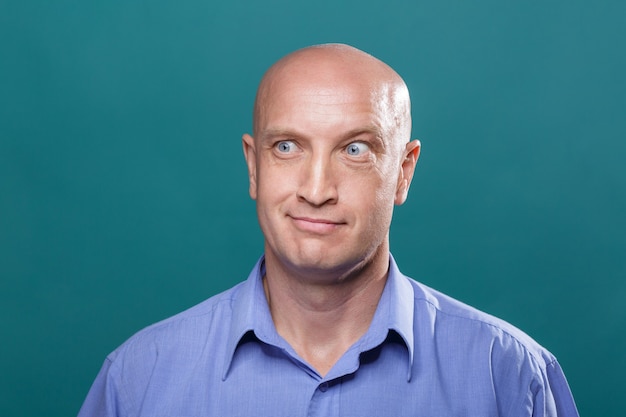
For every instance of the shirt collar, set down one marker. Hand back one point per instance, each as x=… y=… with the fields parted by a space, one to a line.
x=250 y=312
x=395 y=312
x=398 y=299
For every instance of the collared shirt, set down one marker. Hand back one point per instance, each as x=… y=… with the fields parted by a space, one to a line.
x=425 y=354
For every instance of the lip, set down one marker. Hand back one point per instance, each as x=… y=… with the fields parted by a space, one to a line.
x=315 y=225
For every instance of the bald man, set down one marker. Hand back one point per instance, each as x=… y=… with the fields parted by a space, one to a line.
x=325 y=324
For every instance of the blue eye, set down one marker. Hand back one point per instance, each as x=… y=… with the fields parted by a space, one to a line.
x=356 y=148
x=285 y=146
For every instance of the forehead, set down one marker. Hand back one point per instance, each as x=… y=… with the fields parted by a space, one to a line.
x=326 y=102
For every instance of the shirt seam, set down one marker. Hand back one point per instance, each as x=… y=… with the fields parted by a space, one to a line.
x=538 y=361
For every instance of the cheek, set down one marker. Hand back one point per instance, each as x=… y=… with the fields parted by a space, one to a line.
x=371 y=195
x=274 y=185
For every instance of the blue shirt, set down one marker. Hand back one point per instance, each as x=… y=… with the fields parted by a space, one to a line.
x=425 y=354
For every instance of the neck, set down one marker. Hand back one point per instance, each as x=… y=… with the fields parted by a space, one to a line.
x=322 y=318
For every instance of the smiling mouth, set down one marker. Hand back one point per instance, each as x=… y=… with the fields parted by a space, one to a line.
x=315 y=226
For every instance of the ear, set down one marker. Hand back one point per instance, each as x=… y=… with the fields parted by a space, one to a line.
x=407 y=168
x=249 y=152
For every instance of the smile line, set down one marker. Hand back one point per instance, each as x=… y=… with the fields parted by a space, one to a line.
x=320 y=221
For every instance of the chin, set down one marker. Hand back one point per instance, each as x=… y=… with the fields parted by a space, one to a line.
x=329 y=263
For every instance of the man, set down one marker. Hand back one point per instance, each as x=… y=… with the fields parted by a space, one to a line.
x=326 y=325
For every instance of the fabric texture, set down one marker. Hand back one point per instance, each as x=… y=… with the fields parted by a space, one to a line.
x=425 y=354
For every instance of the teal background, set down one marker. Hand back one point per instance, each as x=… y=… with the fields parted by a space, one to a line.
x=123 y=192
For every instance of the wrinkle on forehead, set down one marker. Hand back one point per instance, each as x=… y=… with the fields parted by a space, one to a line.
x=393 y=103
x=329 y=69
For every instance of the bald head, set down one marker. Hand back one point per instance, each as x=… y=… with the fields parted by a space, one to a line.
x=329 y=161
x=331 y=69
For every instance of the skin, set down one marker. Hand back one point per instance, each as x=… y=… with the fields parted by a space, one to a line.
x=329 y=159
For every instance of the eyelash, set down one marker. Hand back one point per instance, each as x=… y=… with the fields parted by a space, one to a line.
x=277 y=145
x=367 y=147
x=357 y=144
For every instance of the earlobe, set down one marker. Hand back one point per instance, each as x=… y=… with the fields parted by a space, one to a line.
x=407 y=168
x=249 y=153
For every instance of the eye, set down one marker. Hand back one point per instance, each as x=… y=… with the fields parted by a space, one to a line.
x=285 y=146
x=356 y=148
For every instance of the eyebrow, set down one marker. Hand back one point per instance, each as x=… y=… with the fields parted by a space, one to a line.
x=276 y=132
x=285 y=132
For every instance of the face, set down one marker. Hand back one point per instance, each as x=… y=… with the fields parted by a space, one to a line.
x=326 y=170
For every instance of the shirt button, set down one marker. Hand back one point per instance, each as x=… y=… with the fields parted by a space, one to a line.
x=324 y=386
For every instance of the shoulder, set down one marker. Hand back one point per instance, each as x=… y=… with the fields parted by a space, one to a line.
x=486 y=356
x=195 y=326
x=453 y=319
x=180 y=347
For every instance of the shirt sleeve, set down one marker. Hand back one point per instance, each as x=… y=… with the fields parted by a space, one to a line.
x=555 y=399
x=528 y=381
x=102 y=399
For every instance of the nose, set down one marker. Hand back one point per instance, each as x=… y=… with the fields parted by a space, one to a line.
x=317 y=182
